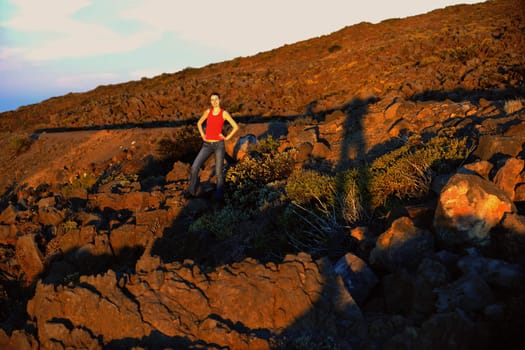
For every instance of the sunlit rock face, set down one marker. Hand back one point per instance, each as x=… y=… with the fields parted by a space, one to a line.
x=468 y=208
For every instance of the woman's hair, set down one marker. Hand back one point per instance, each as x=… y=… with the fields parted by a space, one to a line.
x=215 y=94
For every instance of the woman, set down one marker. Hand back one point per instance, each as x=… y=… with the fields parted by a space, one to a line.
x=213 y=143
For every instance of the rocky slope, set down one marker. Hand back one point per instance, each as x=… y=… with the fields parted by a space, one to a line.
x=96 y=244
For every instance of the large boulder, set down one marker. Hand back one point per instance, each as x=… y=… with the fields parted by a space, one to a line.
x=493 y=271
x=509 y=176
x=468 y=208
x=403 y=245
x=96 y=305
x=29 y=257
x=491 y=147
x=132 y=201
x=240 y=306
x=358 y=277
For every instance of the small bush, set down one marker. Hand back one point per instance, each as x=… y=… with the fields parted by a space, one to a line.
x=254 y=197
x=85 y=180
x=221 y=223
x=182 y=145
x=406 y=172
x=305 y=187
x=69 y=226
x=263 y=165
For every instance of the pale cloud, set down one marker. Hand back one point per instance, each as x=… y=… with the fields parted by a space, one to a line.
x=246 y=27
x=237 y=26
x=81 y=80
x=234 y=25
x=71 y=38
x=51 y=15
x=148 y=73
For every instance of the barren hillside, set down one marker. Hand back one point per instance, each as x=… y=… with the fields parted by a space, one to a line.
x=375 y=199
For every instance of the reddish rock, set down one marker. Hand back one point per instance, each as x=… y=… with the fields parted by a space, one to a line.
x=225 y=307
x=509 y=175
x=8 y=234
x=29 y=257
x=304 y=150
x=130 y=237
x=519 y=192
x=9 y=215
x=179 y=172
x=482 y=168
x=492 y=145
x=133 y=201
x=96 y=305
x=468 y=208
x=403 y=245
x=510 y=238
x=241 y=148
x=358 y=277
x=321 y=150
x=19 y=340
x=50 y=216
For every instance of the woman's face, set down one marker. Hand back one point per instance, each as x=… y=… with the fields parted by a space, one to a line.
x=215 y=101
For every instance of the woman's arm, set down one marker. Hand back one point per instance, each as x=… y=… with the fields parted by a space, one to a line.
x=200 y=122
x=232 y=122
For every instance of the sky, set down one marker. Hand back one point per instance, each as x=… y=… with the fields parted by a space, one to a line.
x=53 y=47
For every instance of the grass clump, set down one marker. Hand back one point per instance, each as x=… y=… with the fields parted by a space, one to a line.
x=263 y=164
x=406 y=173
x=305 y=187
x=512 y=106
x=86 y=180
x=221 y=223
x=351 y=194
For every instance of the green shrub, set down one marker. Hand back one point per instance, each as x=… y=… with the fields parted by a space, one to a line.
x=85 y=180
x=254 y=197
x=68 y=226
x=182 y=145
x=221 y=223
x=305 y=187
x=263 y=165
x=406 y=172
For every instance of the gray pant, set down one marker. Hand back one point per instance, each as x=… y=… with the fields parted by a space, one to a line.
x=206 y=150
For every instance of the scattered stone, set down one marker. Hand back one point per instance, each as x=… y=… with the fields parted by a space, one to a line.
x=29 y=257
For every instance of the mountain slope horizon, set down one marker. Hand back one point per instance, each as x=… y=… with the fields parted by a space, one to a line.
x=475 y=47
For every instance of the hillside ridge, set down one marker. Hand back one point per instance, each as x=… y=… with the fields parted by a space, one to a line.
x=374 y=199
x=464 y=47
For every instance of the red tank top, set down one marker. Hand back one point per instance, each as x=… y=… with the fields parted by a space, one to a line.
x=214 y=125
